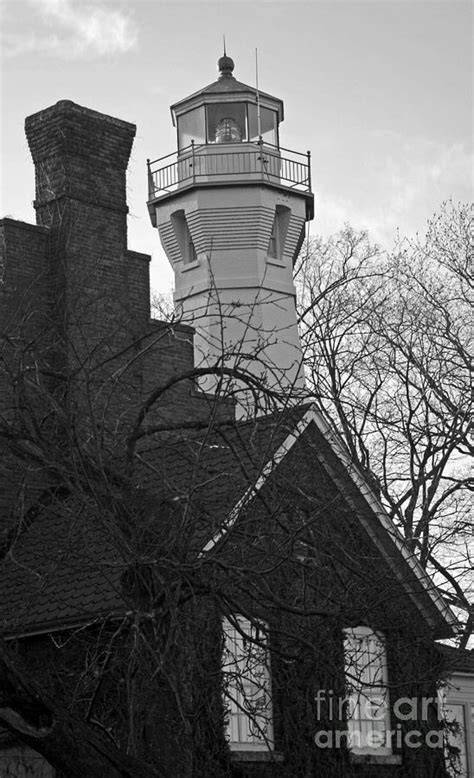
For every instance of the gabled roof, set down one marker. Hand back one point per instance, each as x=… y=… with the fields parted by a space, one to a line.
x=67 y=569
x=376 y=522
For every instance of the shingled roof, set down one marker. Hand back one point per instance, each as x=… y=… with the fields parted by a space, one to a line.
x=459 y=660
x=66 y=568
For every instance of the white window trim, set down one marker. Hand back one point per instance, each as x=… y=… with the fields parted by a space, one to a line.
x=254 y=729
x=364 y=693
x=461 y=712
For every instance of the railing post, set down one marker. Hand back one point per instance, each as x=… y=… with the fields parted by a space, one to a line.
x=151 y=187
x=309 y=170
x=192 y=162
x=260 y=143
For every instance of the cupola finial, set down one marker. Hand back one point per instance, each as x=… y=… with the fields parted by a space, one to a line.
x=225 y=64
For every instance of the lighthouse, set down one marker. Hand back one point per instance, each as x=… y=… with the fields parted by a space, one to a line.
x=230 y=205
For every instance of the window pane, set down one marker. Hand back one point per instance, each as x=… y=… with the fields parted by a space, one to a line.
x=191 y=127
x=366 y=677
x=226 y=123
x=457 y=760
x=247 y=687
x=268 y=122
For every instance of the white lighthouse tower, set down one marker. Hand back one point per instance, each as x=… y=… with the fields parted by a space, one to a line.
x=230 y=206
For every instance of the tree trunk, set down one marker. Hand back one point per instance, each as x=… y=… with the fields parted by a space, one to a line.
x=74 y=747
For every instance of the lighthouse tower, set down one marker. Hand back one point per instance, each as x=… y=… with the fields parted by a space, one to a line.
x=230 y=206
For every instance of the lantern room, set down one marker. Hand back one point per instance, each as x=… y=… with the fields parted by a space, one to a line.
x=227 y=111
x=228 y=133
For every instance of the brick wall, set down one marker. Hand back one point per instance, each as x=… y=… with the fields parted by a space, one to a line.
x=74 y=300
x=25 y=303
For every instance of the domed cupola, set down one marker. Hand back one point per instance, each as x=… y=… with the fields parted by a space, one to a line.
x=226 y=66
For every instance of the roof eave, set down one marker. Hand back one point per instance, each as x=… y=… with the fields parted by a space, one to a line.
x=440 y=617
x=425 y=596
x=241 y=90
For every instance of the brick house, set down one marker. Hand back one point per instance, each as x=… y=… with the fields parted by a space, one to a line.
x=190 y=593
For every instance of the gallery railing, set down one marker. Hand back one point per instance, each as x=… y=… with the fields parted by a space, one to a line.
x=243 y=162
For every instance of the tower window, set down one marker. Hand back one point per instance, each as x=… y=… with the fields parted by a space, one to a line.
x=273 y=244
x=190 y=254
x=277 y=240
x=183 y=237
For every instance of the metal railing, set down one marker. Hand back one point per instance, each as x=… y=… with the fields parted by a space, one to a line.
x=241 y=162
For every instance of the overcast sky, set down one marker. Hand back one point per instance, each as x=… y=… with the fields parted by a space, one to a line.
x=379 y=91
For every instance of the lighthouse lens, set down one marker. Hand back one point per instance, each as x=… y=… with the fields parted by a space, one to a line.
x=228 y=131
x=226 y=123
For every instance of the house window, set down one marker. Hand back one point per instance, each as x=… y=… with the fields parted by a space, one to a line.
x=368 y=712
x=247 y=688
x=456 y=713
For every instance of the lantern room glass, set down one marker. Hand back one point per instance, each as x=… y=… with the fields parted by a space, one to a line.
x=268 y=125
x=226 y=123
x=191 y=127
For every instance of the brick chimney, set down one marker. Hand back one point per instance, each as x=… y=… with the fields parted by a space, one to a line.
x=79 y=154
x=101 y=289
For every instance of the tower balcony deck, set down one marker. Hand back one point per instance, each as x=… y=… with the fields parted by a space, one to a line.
x=230 y=164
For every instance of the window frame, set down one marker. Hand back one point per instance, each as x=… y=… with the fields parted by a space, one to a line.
x=235 y=650
x=184 y=238
x=363 y=689
x=461 y=712
x=277 y=240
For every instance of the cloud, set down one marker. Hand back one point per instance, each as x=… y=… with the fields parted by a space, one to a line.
x=71 y=29
x=402 y=187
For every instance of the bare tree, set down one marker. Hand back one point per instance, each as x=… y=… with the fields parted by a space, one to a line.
x=388 y=344
x=143 y=512
x=163 y=526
